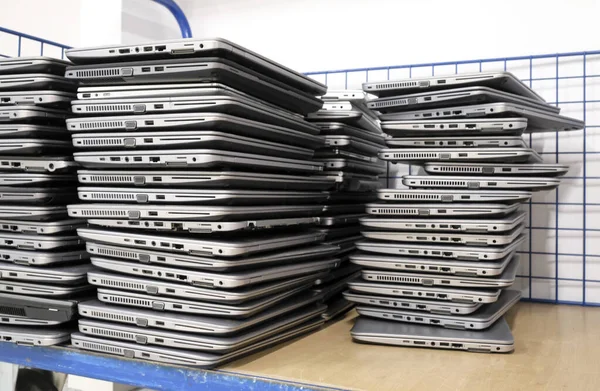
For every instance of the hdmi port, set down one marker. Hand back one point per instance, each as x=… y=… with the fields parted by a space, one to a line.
x=434 y=321
x=470 y=126
x=413 y=251
x=421 y=306
x=410 y=266
x=407 y=293
x=456 y=240
x=457 y=345
x=445 y=269
x=419 y=342
x=447 y=253
x=442 y=296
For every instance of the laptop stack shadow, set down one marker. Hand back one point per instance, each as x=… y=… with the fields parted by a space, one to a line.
x=440 y=253
x=203 y=200
x=43 y=263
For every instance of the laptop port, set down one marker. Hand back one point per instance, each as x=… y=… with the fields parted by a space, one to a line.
x=419 y=342
x=160 y=48
x=136 y=241
x=115 y=159
x=506 y=169
x=137 y=158
x=410 y=266
x=160 y=197
x=8 y=242
x=7 y=338
x=447 y=253
x=153 y=213
x=430 y=294
x=15 y=164
x=145 y=69
x=124 y=51
x=161 y=259
x=451 y=142
x=405 y=304
x=177 y=246
x=181 y=277
x=451 y=125
x=384 y=302
x=443 y=239
x=177 y=306
x=435 y=253
x=429 y=143
x=147 y=48
x=169 y=275
x=441 y=81
x=421 y=237
x=429 y=126
x=427 y=115
x=159 y=106
x=457 y=112
x=5 y=256
x=457 y=345
x=164 y=244
x=155 y=159
x=421 y=306
x=147 y=271
x=463 y=154
x=159 y=323
x=446 y=344
x=492 y=183
x=419 y=319
x=433 y=268
x=443 y=225
x=157 y=179
x=413 y=251
x=149 y=122
x=442 y=296
x=159 y=340
x=455 y=226
x=407 y=293
x=420 y=226
x=159 y=69
x=470 y=126
x=170 y=290
x=445 y=282
x=5 y=100
x=427 y=98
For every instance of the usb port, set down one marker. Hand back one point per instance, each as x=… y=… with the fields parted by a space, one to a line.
x=433 y=268
x=147 y=48
x=146 y=271
x=413 y=251
x=441 y=81
x=139 y=241
x=164 y=244
x=419 y=319
x=160 y=197
x=159 y=106
x=156 y=179
x=384 y=302
x=405 y=304
x=462 y=154
x=465 y=197
x=153 y=213
x=115 y=159
x=137 y=158
x=124 y=51
x=145 y=69
x=435 y=253
x=506 y=169
x=150 y=122
x=170 y=275
x=410 y=266
x=419 y=225
x=451 y=126
x=443 y=238
x=427 y=115
x=427 y=98
x=492 y=183
x=451 y=142
x=468 y=143
x=455 y=226
x=443 y=225
x=430 y=294
x=456 y=240
x=444 y=344
x=429 y=126
x=419 y=342
x=421 y=306
x=159 y=69
x=407 y=293
x=445 y=282
x=177 y=306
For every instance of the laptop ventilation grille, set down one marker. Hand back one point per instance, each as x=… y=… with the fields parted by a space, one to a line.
x=107 y=213
x=116 y=253
x=110 y=178
x=395 y=211
x=127 y=300
x=416 y=196
x=12 y=311
x=442 y=183
x=397 y=85
x=97 y=108
x=105 y=315
x=111 y=196
x=101 y=348
x=101 y=124
x=398 y=279
x=120 y=284
x=98 y=73
x=395 y=102
x=104 y=141
x=111 y=333
x=421 y=155
x=458 y=169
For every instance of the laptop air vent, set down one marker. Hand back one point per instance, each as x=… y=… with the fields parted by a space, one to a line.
x=116 y=253
x=117 y=317
x=388 y=103
x=103 y=141
x=101 y=348
x=399 y=279
x=110 y=178
x=395 y=211
x=442 y=183
x=458 y=169
x=102 y=108
x=416 y=196
x=110 y=196
x=12 y=311
x=129 y=301
x=120 y=284
x=98 y=73
x=415 y=155
x=101 y=125
x=105 y=213
x=111 y=333
x=396 y=85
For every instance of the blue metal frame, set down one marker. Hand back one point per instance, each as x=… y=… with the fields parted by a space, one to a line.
x=44 y=43
x=579 y=57
x=184 y=26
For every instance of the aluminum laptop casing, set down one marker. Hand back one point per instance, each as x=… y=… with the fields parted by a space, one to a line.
x=435 y=127
x=528 y=183
x=453 y=196
x=44 y=164
x=42 y=258
x=35 y=81
x=34 y=64
x=34 y=336
x=478 y=155
x=441 y=209
x=457 y=142
x=41 y=228
x=37 y=98
x=529 y=170
x=69 y=274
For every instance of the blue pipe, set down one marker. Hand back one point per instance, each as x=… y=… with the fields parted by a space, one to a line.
x=171 y=5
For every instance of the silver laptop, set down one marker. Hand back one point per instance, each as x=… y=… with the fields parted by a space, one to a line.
x=332 y=233
x=37 y=164
x=432 y=306
x=475 y=239
x=198 y=196
x=14 y=320
x=341 y=129
x=536 y=169
x=45 y=290
x=187 y=139
x=469 y=295
x=34 y=64
x=459 y=252
x=37 y=98
x=27 y=179
x=41 y=228
x=70 y=274
x=340 y=220
x=352 y=144
x=453 y=97
x=206 y=227
x=33 y=213
x=34 y=146
x=537 y=120
x=205 y=179
x=343 y=153
x=182 y=212
x=504 y=280
x=285 y=256
x=42 y=258
x=195 y=341
x=435 y=127
x=403 y=155
x=35 y=81
x=37 y=195
x=453 y=196
x=216 y=280
x=194 y=159
x=34 y=336
x=345 y=112
x=431 y=265
x=482 y=319
x=446 y=225
x=441 y=209
x=38 y=242
x=528 y=183
x=496 y=339
x=458 y=142
x=9 y=131
x=38 y=114
x=175 y=291
x=197 y=48
x=352 y=181
x=503 y=81
x=353 y=166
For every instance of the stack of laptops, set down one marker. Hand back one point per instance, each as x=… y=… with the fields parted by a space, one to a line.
x=441 y=254
x=203 y=199
x=43 y=263
x=352 y=138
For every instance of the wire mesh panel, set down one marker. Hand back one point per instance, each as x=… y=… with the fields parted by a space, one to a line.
x=560 y=261
x=16 y=44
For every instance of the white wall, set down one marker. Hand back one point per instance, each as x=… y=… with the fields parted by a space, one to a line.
x=145 y=20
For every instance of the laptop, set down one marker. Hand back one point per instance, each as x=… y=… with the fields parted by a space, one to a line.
x=199 y=245
x=466 y=253
x=504 y=280
x=345 y=112
x=332 y=233
x=38 y=242
x=197 y=324
x=194 y=159
x=186 y=357
x=351 y=143
x=45 y=290
x=352 y=181
x=432 y=306
x=458 y=142
x=205 y=179
x=212 y=279
x=37 y=195
x=58 y=164
x=453 y=196
x=280 y=257
x=205 y=227
x=340 y=220
x=496 y=339
x=32 y=213
x=341 y=129
x=421 y=155
x=37 y=98
x=345 y=245
x=34 y=336
x=333 y=286
x=174 y=291
x=454 y=238
x=26 y=131
x=199 y=342
x=196 y=48
x=419 y=224
x=41 y=228
x=435 y=127
x=432 y=265
x=468 y=295
x=39 y=308
x=502 y=81
x=29 y=114
x=353 y=166
x=527 y=183
x=35 y=179
x=336 y=308
x=338 y=209
x=34 y=82
x=42 y=258
x=13 y=320
x=199 y=196
x=350 y=197
x=36 y=64
x=182 y=212
x=69 y=274
x=343 y=153
x=454 y=97
x=210 y=69
x=441 y=209
x=536 y=169
x=481 y=319
x=537 y=120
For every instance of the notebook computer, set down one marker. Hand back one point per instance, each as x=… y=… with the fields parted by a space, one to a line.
x=353 y=166
x=33 y=146
x=37 y=98
x=32 y=213
x=350 y=197
x=435 y=127
x=453 y=196
x=339 y=232
x=341 y=129
x=458 y=142
x=32 y=114
x=9 y=131
x=35 y=64
x=404 y=155
x=34 y=336
x=37 y=195
x=40 y=308
x=13 y=320
x=502 y=81
x=432 y=306
x=352 y=181
x=58 y=164
x=42 y=258
x=345 y=112
x=199 y=196
x=441 y=209
x=481 y=319
x=41 y=228
x=342 y=153
x=496 y=339
x=38 y=242
x=35 y=81
x=536 y=169
x=69 y=274
x=340 y=220
x=45 y=290
x=336 y=308
x=28 y=179
x=351 y=143
x=528 y=183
